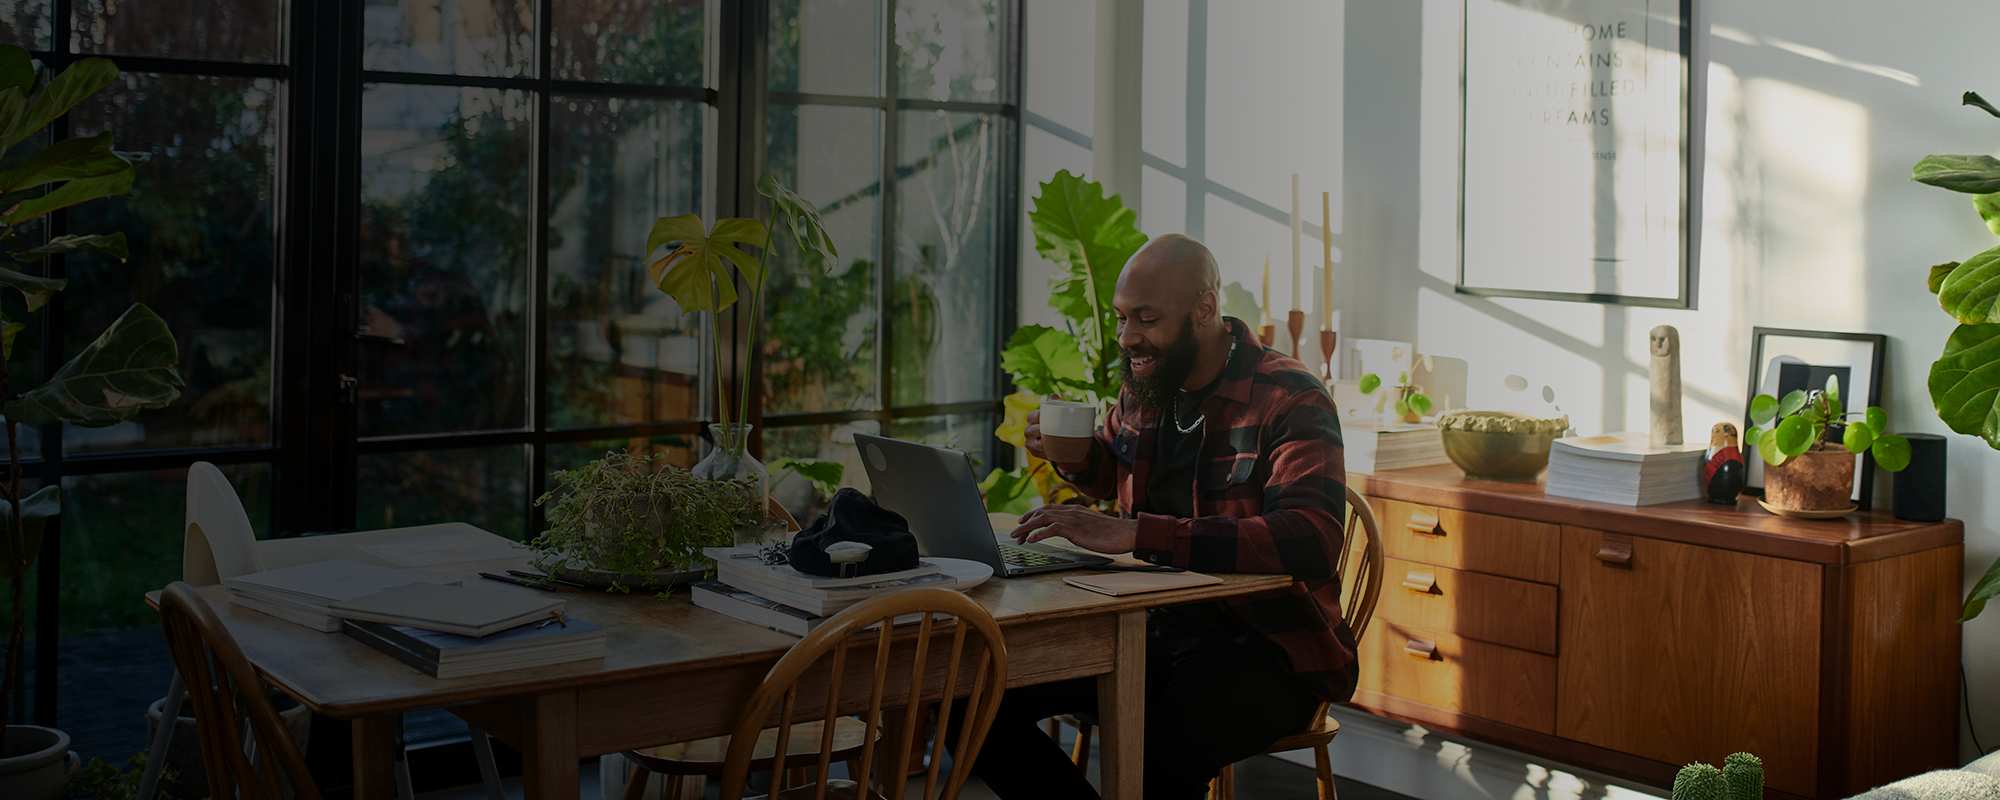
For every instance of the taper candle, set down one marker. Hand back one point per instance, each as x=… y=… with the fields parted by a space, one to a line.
x=1297 y=296
x=1266 y=291
x=1326 y=252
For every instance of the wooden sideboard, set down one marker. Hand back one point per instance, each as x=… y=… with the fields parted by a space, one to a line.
x=1632 y=640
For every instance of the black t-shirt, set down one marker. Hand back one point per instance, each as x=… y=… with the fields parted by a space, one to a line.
x=1170 y=487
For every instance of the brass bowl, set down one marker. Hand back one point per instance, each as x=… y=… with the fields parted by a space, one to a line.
x=1497 y=445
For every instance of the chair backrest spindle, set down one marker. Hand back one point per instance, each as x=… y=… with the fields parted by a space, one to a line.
x=226 y=694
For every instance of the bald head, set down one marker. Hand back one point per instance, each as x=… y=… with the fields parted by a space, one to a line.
x=1172 y=266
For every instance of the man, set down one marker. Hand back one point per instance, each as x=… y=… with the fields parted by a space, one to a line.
x=1223 y=456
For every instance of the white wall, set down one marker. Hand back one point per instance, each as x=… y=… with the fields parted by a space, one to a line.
x=1815 y=111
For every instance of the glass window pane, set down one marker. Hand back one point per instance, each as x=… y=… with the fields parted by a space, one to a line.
x=630 y=41
x=621 y=351
x=210 y=30
x=26 y=23
x=485 y=487
x=827 y=46
x=450 y=37
x=819 y=335
x=121 y=537
x=680 y=451
x=971 y=433
x=949 y=49
x=445 y=229
x=200 y=226
x=947 y=228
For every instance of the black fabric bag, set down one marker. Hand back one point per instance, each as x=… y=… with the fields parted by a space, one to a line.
x=852 y=517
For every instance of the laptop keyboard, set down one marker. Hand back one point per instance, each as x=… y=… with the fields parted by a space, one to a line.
x=1014 y=555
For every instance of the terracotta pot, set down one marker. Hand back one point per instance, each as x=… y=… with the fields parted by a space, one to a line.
x=35 y=763
x=1821 y=479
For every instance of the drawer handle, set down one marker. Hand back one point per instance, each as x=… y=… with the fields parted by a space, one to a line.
x=1422 y=581
x=1615 y=550
x=1421 y=649
x=1425 y=523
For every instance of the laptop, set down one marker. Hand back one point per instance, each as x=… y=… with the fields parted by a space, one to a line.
x=935 y=490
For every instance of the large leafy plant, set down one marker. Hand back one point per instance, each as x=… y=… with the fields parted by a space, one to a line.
x=1784 y=429
x=1965 y=380
x=635 y=516
x=703 y=263
x=131 y=367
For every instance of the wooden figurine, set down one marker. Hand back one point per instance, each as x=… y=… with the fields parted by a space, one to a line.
x=1723 y=474
x=1665 y=347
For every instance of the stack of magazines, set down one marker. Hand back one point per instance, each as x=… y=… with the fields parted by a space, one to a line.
x=1380 y=447
x=781 y=598
x=1625 y=469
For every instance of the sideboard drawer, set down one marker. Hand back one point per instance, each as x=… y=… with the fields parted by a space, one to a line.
x=1474 y=605
x=1449 y=672
x=1465 y=540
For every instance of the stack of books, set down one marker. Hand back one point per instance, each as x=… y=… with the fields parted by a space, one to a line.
x=1379 y=447
x=781 y=598
x=444 y=629
x=1625 y=469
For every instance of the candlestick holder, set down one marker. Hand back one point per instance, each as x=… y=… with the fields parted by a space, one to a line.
x=1266 y=334
x=1295 y=323
x=1327 y=339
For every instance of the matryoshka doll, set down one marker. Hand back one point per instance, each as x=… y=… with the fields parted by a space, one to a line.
x=1723 y=474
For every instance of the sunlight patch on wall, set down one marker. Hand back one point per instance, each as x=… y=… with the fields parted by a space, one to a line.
x=1812 y=183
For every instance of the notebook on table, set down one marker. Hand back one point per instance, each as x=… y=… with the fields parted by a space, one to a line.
x=304 y=593
x=1119 y=584
x=471 y=609
x=444 y=655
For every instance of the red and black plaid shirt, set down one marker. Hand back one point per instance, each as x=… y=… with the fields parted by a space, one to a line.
x=1269 y=497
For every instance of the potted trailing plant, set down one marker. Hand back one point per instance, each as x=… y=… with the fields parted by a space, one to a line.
x=131 y=367
x=1965 y=380
x=700 y=270
x=1808 y=445
x=630 y=521
x=1411 y=404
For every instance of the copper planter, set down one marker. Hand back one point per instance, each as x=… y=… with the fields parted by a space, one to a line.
x=1821 y=479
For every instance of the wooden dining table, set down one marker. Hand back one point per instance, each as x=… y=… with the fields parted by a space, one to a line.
x=671 y=672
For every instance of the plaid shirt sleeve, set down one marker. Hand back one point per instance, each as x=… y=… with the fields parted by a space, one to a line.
x=1299 y=532
x=1099 y=478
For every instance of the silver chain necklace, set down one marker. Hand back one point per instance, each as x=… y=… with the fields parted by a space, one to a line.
x=1174 y=412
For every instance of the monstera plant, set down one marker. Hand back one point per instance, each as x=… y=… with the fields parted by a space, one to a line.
x=1965 y=380
x=132 y=366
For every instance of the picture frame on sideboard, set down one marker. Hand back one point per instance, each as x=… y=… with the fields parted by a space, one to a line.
x=1783 y=359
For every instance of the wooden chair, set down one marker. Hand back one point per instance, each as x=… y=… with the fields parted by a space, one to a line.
x=1360 y=568
x=257 y=762
x=903 y=684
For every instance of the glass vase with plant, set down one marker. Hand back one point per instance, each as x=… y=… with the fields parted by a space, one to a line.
x=1808 y=443
x=629 y=521
x=131 y=367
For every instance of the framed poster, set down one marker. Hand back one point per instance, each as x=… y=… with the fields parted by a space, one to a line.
x=1576 y=151
x=1782 y=360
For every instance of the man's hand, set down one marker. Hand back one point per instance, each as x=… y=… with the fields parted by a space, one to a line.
x=1085 y=528
x=1033 y=440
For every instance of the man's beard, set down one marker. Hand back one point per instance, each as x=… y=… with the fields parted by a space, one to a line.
x=1176 y=362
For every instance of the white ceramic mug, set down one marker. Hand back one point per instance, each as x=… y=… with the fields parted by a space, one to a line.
x=1067 y=429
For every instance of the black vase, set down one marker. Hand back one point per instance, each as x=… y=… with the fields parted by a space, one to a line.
x=1920 y=487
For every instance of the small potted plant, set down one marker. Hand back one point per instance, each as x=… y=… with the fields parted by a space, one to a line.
x=1411 y=404
x=1808 y=446
x=630 y=521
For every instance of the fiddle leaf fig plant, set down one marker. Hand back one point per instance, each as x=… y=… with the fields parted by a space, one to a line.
x=132 y=366
x=1785 y=428
x=1965 y=380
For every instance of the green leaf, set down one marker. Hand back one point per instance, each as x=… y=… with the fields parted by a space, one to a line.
x=1763 y=408
x=1370 y=382
x=1938 y=274
x=76 y=84
x=1795 y=436
x=1965 y=382
x=1008 y=491
x=17 y=69
x=34 y=288
x=1767 y=447
x=801 y=218
x=1833 y=391
x=1092 y=235
x=76 y=192
x=1988 y=206
x=693 y=273
x=1969 y=292
x=9 y=331
x=68 y=160
x=825 y=476
x=112 y=244
x=1043 y=359
x=1751 y=436
x=1420 y=403
x=1858 y=437
x=1973 y=99
x=1793 y=401
x=1970 y=174
x=131 y=367
x=1892 y=452
x=17 y=552
x=1984 y=590
x=1877 y=418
